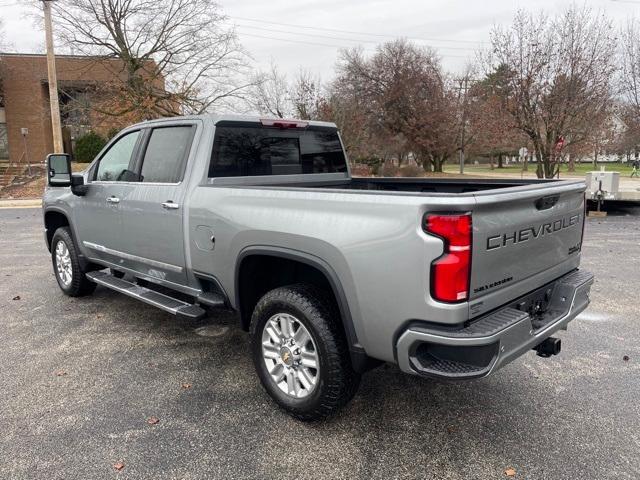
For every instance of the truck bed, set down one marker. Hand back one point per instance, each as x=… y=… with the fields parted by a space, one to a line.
x=526 y=232
x=400 y=184
x=436 y=185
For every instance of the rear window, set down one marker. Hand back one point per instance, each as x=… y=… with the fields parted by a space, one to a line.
x=242 y=151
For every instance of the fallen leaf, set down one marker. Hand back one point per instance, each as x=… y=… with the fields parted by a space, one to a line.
x=510 y=472
x=186 y=385
x=60 y=373
x=17 y=297
x=625 y=358
x=153 y=420
x=118 y=466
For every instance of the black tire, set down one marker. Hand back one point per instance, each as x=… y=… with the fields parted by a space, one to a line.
x=79 y=285
x=336 y=382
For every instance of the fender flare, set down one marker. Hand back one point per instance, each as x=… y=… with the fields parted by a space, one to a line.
x=84 y=262
x=44 y=219
x=358 y=354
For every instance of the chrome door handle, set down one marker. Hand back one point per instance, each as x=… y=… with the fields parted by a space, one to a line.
x=169 y=205
x=113 y=199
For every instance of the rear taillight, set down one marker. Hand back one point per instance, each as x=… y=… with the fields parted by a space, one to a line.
x=451 y=271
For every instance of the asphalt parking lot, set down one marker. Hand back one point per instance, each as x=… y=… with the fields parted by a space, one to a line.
x=79 y=379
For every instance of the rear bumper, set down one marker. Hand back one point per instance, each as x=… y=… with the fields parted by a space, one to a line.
x=496 y=339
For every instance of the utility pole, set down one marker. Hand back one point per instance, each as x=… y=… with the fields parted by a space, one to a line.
x=463 y=90
x=53 y=81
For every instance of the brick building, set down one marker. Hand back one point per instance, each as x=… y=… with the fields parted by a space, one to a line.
x=24 y=102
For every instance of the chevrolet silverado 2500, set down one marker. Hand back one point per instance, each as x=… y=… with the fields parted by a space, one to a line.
x=330 y=274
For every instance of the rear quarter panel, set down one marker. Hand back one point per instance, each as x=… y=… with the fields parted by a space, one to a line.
x=374 y=243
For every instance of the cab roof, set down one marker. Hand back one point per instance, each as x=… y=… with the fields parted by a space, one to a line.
x=215 y=118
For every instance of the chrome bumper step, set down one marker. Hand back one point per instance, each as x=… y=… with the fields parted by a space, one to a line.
x=164 y=302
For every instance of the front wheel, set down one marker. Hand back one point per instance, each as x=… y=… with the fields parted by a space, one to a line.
x=300 y=352
x=67 y=266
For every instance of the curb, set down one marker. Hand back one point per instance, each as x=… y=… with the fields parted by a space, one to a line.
x=21 y=203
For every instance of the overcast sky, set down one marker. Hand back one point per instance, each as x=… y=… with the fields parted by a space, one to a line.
x=309 y=33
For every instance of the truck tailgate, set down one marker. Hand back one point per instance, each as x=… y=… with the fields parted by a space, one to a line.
x=522 y=238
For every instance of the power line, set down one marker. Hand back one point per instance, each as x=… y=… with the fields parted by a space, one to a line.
x=334 y=37
x=317 y=43
x=291 y=40
x=358 y=33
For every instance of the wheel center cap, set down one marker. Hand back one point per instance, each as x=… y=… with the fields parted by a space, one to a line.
x=286 y=356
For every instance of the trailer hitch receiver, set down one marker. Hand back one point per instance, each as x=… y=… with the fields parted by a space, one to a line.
x=550 y=346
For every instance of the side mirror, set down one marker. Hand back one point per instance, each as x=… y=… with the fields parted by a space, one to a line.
x=59 y=169
x=78 y=187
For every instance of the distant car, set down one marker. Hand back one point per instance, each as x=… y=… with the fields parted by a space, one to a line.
x=331 y=275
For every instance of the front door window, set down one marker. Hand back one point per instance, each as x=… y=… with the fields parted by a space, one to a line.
x=114 y=164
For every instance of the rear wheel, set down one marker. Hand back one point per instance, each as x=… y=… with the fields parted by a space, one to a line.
x=66 y=265
x=300 y=352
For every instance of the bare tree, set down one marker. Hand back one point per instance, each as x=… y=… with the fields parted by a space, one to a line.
x=559 y=76
x=630 y=64
x=3 y=44
x=628 y=138
x=350 y=116
x=492 y=130
x=270 y=93
x=629 y=81
x=306 y=95
x=176 y=56
x=405 y=100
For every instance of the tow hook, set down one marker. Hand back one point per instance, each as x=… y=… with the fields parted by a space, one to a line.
x=550 y=346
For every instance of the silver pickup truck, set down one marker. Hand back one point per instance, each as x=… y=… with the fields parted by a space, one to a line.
x=331 y=275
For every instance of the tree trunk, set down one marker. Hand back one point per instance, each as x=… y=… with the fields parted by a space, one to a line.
x=437 y=163
x=572 y=164
x=426 y=163
x=540 y=164
x=500 y=161
x=541 y=157
x=550 y=167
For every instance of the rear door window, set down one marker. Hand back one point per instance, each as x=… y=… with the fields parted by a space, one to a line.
x=166 y=154
x=249 y=151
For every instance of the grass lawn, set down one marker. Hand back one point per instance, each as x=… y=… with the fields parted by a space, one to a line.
x=623 y=168
x=580 y=168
